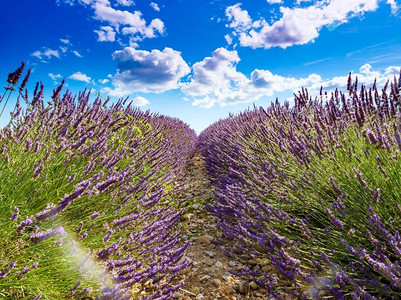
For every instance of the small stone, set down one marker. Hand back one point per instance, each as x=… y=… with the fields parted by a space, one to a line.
x=188 y=217
x=200 y=297
x=209 y=253
x=184 y=238
x=253 y=285
x=218 y=264
x=267 y=269
x=216 y=282
x=204 y=278
x=244 y=287
x=264 y=262
x=232 y=263
x=259 y=248
x=256 y=268
x=207 y=261
x=205 y=239
x=230 y=289
x=177 y=295
x=184 y=271
x=196 y=206
x=237 y=249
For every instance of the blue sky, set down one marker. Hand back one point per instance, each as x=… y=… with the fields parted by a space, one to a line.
x=200 y=60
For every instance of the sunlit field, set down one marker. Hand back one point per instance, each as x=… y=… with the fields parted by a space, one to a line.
x=91 y=194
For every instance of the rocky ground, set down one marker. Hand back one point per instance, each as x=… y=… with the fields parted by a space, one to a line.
x=209 y=278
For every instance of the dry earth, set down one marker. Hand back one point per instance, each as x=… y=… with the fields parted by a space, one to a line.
x=208 y=278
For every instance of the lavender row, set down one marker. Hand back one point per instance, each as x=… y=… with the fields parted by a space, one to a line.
x=313 y=190
x=89 y=195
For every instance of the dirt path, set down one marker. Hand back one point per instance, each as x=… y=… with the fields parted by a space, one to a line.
x=209 y=278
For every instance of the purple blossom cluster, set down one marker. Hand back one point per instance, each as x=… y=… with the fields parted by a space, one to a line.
x=314 y=190
x=96 y=176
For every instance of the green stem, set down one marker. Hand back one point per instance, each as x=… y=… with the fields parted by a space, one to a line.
x=5 y=103
x=5 y=92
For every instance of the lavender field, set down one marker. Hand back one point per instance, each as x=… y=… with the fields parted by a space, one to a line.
x=91 y=194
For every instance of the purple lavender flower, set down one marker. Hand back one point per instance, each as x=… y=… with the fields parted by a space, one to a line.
x=14 y=77
x=42 y=236
x=25 y=81
x=6 y=271
x=27 y=269
x=21 y=226
x=15 y=215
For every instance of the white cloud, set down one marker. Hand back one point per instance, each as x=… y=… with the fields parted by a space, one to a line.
x=106 y=34
x=55 y=77
x=80 y=77
x=140 y=101
x=126 y=2
x=154 y=6
x=215 y=76
x=215 y=80
x=394 y=6
x=135 y=24
x=239 y=18
x=116 y=21
x=103 y=81
x=297 y=26
x=48 y=53
x=366 y=76
x=229 y=39
x=274 y=1
x=76 y=53
x=143 y=71
x=65 y=41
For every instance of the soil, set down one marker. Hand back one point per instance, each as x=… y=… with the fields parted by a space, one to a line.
x=209 y=277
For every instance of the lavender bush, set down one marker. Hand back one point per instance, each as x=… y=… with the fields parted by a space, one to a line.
x=312 y=192
x=88 y=198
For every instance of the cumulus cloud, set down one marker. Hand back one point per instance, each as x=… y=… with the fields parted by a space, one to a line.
x=216 y=81
x=154 y=6
x=214 y=78
x=106 y=34
x=133 y=23
x=46 y=53
x=127 y=22
x=55 y=77
x=80 y=77
x=140 y=101
x=115 y=92
x=147 y=71
x=298 y=25
x=239 y=19
x=274 y=1
x=126 y=2
x=76 y=53
x=65 y=41
x=366 y=76
x=103 y=81
x=228 y=39
x=394 y=6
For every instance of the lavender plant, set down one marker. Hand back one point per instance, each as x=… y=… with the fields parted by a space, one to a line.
x=88 y=200
x=313 y=191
